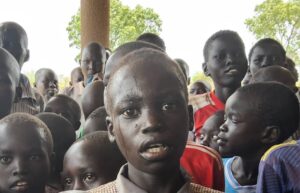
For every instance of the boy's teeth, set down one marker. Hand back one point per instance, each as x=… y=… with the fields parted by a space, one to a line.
x=21 y=183
x=156 y=148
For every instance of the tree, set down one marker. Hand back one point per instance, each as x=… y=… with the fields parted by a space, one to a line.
x=126 y=24
x=279 y=20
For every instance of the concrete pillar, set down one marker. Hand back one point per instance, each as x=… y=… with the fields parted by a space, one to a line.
x=94 y=22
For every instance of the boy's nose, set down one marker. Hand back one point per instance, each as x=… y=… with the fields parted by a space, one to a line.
x=78 y=185
x=52 y=84
x=223 y=127
x=267 y=61
x=228 y=59
x=20 y=168
x=152 y=122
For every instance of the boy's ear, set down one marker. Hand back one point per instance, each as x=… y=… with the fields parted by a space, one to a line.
x=271 y=134
x=110 y=129
x=204 y=68
x=27 y=55
x=191 y=117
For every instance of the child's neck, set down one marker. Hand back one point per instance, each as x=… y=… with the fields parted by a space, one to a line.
x=223 y=93
x=245 y=169
x=171 y=182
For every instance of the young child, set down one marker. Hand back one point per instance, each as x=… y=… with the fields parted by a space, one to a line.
x=9 y=81
x=121 y=51
x=66 y=107
x=266 y=52
x=149 y=119
x=76 y=77
x=92 y=61
x=14 y=39
x=210 y=130
x=199 y=87
x=92 y=97
x=257 y=116
x=279 y=169
x=185 y=69
x=96 y=121
x=153 y=39
x=91 y=162
x=226 y=63
x=46 y=83
x=26 y=150
x=63 y=135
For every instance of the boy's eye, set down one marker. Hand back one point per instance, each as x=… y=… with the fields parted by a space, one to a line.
x=89 y=177
x=67 y=181
x=5 y=159
x=201 y=137
x=169 y=107
x=131 y=113
x=34 y=157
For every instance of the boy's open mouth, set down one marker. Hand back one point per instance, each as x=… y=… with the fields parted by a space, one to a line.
x=155 y=152
x=20 y=186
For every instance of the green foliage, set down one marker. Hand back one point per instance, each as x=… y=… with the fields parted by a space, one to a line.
x=126 y=24
x=280 y=20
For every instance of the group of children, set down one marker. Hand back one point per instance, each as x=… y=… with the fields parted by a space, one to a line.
x=127 y=122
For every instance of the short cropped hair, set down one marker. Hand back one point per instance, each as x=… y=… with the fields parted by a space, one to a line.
x=147 y=55
x=99 y=112
x=72 y=102
x=220 y=34
x=275 y=104
x=153 y=39
x=40 y=71
x=43 y=130
x=267 y=41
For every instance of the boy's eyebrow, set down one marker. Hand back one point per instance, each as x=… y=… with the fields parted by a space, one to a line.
x=129 y=99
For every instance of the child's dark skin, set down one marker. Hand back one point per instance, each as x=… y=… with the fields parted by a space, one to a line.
x=226 y=64
x=149 y=115
x=46 y=83
x=76 y=76
x=210 y=130
x=92 y=97
x=86 y=164
x=95 y=122
x=25 y=158
x=249 y=132
x=63 y=136
x=13 y=38
x=9 y=80
x=92 y=60
x=66 y=107
x=266 y=54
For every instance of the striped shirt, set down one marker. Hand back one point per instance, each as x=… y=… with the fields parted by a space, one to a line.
x=279 y=169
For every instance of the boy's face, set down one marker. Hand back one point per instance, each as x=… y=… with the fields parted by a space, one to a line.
x=240 y=134
x=15 y=42
x=59 y=107
x=47 y=84
x=24 y=159
x=92 y=61
x=227 y=62
x=197 y=88
x=265 y=55
x=209 y=133
x=77 y=76
x=149 y=117
x=7 y=89
x=82 y=171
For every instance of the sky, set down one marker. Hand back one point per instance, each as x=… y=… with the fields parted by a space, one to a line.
x=186 y=26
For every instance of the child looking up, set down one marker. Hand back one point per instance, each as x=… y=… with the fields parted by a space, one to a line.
x=9 y=81
x=46 y=83
x=257 y=116
x=226 y=63
x=90 y=162
x=26 y=150
x=149 y=119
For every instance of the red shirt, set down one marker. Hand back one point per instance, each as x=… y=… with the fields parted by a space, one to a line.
x=204 y=165
x=204 y=106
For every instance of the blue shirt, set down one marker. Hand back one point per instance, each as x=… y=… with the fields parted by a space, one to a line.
x=231 y=184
